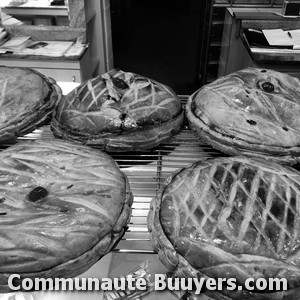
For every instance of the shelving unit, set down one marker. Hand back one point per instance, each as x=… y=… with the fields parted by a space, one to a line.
x=214 y=15
x=235 y=43
x=87 y=24
x=36 y=11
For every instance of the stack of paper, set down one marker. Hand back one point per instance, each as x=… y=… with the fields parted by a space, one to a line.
x=279 y=37
x=15 y=44
x=295 y=35
x=24 y=45
x=47 y=48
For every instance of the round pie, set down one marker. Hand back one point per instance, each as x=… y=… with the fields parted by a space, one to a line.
x=119 y=111
x=232 y=217
x=62 y=207
x=26 y=102
x=252 y=112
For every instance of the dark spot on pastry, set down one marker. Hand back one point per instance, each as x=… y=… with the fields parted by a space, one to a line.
x=37 y=193
x=68 y=187
x=285 y=128
x=119 y=83
x=109 y=97
x=2 y=199
x=268 y=87
x=3 y=213
x=123 y=116
x=251 y=122
x=263 y=71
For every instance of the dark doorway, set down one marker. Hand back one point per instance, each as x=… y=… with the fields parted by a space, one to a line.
x=159 y=39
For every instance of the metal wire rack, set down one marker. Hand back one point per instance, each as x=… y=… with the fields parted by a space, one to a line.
x=146 y=172
x=147 y=178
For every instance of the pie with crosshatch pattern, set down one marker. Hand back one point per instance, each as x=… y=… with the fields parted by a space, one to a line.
x=62 y=207
x=27 y=100
x=231 y=218
x=252 y=112
x=119 y=111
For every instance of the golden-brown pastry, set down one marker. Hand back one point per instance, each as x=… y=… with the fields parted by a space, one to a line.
x=27 y=100
x=62 y=207
x=253 y=112
x=119 y=111
x=227 y=218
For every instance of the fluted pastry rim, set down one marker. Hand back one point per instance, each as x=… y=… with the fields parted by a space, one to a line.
x=249 y=103
x=178 y=265
x=39 y=112
x=70 y=221
x=119 y=124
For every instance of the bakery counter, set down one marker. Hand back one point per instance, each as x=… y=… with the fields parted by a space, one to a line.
x=34 y=8
x=238 y=52
x=72 y=68
x=146 y=172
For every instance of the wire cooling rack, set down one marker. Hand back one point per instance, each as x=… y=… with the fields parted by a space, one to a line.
x=146 y=172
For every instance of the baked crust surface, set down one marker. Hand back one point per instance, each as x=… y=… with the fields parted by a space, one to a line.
x=26 y=102
x=250 y=112
x=230 y=218
x=119 y=111
x=79 y=219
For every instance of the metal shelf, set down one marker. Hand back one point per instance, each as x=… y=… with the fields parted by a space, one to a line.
x=146 y=172
x=35 y=11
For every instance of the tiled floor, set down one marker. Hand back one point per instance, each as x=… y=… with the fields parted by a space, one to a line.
x=158 y=39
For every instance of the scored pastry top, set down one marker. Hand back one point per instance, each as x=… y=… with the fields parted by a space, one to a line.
x=229 y=217
x=115 y=102
x=58 y=200
x=258 y=106
x=239 y=205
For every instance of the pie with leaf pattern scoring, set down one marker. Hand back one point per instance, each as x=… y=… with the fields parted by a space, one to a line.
x=62 y=207
x=252 y=112
x=119 y=111
x=227 y=218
